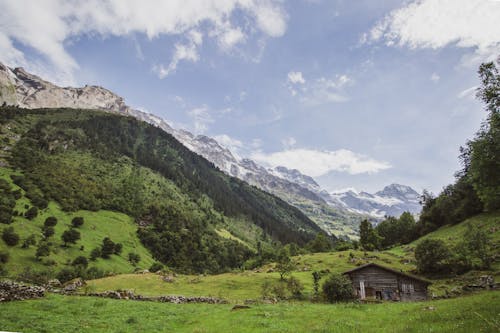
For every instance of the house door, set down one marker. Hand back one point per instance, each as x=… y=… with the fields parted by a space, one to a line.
x=362 y=289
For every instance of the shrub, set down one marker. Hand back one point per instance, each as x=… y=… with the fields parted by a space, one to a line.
x=48 y=231
x=275 y=289
x=108 y=248
x=31 y=240
x=295 y=287
x=4 y=257
x=118 y=248
x=77 y=222
x=66 y=274
x=95 y=253
x=155 y=267
x=134 y=258
x=94 y=273
x=31 y=213
x=70 y=236
x=50 y=221
x=43 y=250
x=10 y=237
x=36 y=277
x=80 y=261
x=338 y=288
x=432 y=256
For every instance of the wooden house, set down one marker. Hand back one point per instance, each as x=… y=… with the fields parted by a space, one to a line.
x=373 y=281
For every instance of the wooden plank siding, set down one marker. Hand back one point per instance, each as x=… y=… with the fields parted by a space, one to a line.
x=386 y=284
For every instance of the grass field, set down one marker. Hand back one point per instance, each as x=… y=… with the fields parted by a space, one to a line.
x=475 y=313
x=239 y=286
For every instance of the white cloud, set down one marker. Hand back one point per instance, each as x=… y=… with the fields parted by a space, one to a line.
x=289 y=142
x=324 y=90
x=49 y=26
x=296 y=77
x=438 y=23
x=468 y=93
x=317 y=163
x=201 y=119
x=435 y=77
x=183 y=52
x=230 y=143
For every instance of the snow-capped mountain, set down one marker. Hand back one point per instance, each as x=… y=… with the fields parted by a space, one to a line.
x=393 y=200
x=337 y=213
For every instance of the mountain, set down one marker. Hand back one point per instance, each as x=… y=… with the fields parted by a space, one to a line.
x=338 y=214
x=393 y=200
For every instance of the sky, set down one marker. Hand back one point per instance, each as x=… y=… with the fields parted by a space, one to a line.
x=357 y=94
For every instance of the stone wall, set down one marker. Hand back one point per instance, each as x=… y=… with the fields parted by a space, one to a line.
x=127 y=294
x=13 y=291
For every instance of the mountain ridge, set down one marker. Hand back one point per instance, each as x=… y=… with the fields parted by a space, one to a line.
x=333 y=214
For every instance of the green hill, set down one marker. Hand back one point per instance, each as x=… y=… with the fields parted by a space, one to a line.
x=123 y=176
x=97 y=225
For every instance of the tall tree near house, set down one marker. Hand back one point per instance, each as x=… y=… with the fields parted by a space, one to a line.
x=368 y=237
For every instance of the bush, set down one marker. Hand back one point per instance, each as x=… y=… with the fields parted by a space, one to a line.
x=36 y=277
x=338 y=288
x=432 y=256
x=43 y=250
x=4 y=257
x=50 y=221
x=31 y=213
x=108 y=248
x=31 y=240
x=80 y=261
x=118 y=248
x=274 y=289
x=295 y=287
x=66 y=274
x=48 y=231
x=77 y=222
x=70 y=236
x=134 y=258
x=10 y=237
x=95 y=253
x=94 y=273
x=155 y=267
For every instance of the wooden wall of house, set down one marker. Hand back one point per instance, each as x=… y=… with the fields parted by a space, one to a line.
x=377 y=279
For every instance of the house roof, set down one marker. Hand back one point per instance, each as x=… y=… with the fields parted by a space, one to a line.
x=372 y=264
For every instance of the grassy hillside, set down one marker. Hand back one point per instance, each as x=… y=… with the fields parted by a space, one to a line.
x=452 y=234
x=248 y=284
x=97 y=225
x=476 y=313
x=239 y=286
x=191 y=216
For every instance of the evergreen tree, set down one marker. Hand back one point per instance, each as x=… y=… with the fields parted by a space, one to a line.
x=368 y=237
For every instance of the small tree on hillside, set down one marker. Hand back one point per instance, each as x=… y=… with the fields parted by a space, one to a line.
x=50 y=221
x=77 y=222
x=108 y=248
x=284 y=263
x=70 y=236
x=48 y=231
x=134 y=258
x=10 y=237
x=31 y=213
x=43 y=250
x=479 y=245
x=431 y=256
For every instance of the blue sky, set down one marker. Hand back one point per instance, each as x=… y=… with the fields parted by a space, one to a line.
x=354 y=93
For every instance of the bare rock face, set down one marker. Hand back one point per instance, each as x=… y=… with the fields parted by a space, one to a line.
x=18 y=87
x=12 y=291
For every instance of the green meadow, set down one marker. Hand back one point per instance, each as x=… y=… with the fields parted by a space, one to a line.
x=475 y=313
